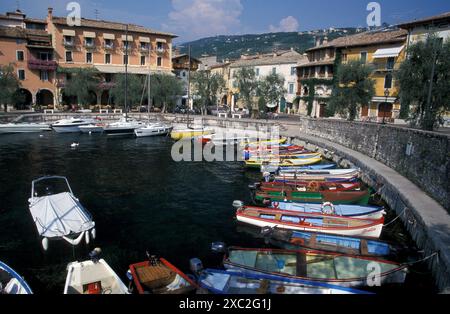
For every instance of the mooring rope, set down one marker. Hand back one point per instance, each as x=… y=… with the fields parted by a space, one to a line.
x=422 y=260
x=396 y=218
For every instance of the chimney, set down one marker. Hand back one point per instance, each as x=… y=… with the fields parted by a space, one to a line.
x=50 y=13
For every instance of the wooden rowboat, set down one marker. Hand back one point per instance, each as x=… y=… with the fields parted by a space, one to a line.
x=257 y=163
x=311 y=186
x=310 y=222
x=317 y=266
x=319 y=175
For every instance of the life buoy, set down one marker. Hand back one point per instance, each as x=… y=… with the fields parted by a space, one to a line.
x=276 y=205
x=313 y=186
x=328 y=209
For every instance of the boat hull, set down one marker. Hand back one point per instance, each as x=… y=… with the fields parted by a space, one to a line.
x=68 y=129
x=11 y=282
x=188 y=134
x=152 y=132
x=338 y=197
x=12 y=129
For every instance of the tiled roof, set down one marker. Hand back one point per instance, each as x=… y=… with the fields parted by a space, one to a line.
x=33 y=20
x=365 y=39
x=113 y=26
x=287 y=58
x=436 y=18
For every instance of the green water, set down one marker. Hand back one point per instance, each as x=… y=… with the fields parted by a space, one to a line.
x=140 y=200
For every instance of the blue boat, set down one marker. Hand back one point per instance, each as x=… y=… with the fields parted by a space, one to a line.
x=293 y=240
x=11 y=282
x=235 y=282
x=275 y=169
x=350 y=211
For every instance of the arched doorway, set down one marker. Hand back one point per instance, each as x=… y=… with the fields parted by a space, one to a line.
x=44 y=97
x=323 y=110
x=385 y=111
x=23 y=99
x=224 y=101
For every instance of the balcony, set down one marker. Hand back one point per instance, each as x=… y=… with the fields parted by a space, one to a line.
x=68 y=44
x=45 y=65
x=160 y=50
x=108 y=46
x=144 y=49
x=89 y=45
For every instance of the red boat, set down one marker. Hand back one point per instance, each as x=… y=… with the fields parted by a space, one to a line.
x=158 y=276
x=313 y=186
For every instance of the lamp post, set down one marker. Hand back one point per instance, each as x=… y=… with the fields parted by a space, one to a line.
x=386 y=94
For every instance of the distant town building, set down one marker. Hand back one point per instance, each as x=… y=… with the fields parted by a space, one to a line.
x=181 y=66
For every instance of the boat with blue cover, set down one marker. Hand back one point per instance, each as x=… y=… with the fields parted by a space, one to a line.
x=275 y=169
x=11 y=282
x=234 y=282
x=293 y=240
x=351 y=211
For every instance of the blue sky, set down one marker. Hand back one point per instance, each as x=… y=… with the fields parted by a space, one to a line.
x=193 y=19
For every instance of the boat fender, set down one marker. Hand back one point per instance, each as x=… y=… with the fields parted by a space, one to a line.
x=328 y=209
x=238 y=204
x=75 y=242
x=94 y=233
x=129 y=275
x=86 y=236
x=45 y=244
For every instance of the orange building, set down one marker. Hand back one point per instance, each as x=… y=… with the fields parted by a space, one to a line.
x=51 y=48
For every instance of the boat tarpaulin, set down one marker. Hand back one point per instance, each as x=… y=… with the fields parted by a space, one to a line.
x=60 y=215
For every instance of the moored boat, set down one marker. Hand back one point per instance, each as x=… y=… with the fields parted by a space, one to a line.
x=58 y=214
x=257 y=163
x=71 y=125
x=317 y=266
x=11 y=128
x=179 y=134
x=158 y=276
x=153 y=129
x=310 y=222
x=293 y=240
x=337 y=175
x=124 y=127
x=11 y=282
x=297 y=169
x=235 y=282
x=92 y=128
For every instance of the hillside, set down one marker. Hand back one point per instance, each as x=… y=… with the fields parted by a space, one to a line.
x=231 y=47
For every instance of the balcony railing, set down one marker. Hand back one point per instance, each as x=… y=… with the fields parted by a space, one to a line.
x=108 y=47
x=45 y=65
x=160 y=50
x=89 y=45
x=68 y=44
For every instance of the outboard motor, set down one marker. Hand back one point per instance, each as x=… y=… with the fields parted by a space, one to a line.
x=95 y=255
x=238 y=204
x=219 y=247
x=196 y=266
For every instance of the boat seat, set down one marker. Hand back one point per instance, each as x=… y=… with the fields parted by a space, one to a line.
x=155 y=277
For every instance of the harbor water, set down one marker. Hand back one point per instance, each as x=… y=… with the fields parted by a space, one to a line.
x=141 y=200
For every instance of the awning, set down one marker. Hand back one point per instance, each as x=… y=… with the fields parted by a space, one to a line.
x=68 y=32
x=161 y=40
x=89 y=34
x=388 y=52
x=144 y=39
x=109 y=36
x=125 y=38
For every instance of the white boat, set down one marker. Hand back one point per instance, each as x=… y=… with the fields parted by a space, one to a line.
x=123 y=127
x=71 y=125
x=58 y=214
x=226 y=139
x=11 y=128
x=153 y=129
x=93 y=277
x=11 y=282
x=92 y=128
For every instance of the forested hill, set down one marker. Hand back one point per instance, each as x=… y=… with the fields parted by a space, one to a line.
x=232 y=47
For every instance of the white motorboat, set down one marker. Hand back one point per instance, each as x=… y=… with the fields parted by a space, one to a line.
x=11 y=282
x=71 y=125
x=93 y=277
x=153 y=129
x=123 y=127
x=58 y=214
x=92 y=128
x=11 y=128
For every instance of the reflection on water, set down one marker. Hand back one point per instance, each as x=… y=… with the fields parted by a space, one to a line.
x=140 y=200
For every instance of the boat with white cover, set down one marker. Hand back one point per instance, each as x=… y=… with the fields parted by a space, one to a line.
x=93 y=277
x=58 y=214
x=71 y=125
x=11 y=282
x=11 y=128
x=153 y=129
x=123 y=127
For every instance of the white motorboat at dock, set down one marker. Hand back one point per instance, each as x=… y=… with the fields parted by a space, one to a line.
x=71 y=125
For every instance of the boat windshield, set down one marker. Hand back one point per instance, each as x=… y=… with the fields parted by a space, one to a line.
x=50 y=186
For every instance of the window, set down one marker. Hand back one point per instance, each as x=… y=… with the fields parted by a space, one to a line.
x=68 y=76
x=108 y=77
x=293 y=71
x=89 y=57
x=388 y=81
x=45 y=56
x=43 y=75
x=68 y=40
x=344 y=57
x=274 y=70
x=364 y=57
x=390 y=63
x=145 y=46
x=125 y=59
x=69 y=56
x=159 y=62
x=108 y=43
x=142 y=60
x=107 y=58
x=291 y=88
x=20 y=55
x=89 y=42
x=160 y=46
x=257 y=71
x=21 y=74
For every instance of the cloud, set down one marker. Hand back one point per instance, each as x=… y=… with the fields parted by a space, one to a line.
x=202 y=18
x=288 y=24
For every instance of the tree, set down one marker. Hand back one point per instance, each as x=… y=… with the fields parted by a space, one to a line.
x=247 y=84
x=271 y=88
x=353 y=88
x=9 y=84
x=424 y=81
x=83 y=81
x=165 y=89
x=135 y=88
x=207 y=87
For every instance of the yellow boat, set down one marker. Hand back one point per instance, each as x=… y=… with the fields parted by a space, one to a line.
x=270 y=142
x=257 y=163
x=189 y=133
